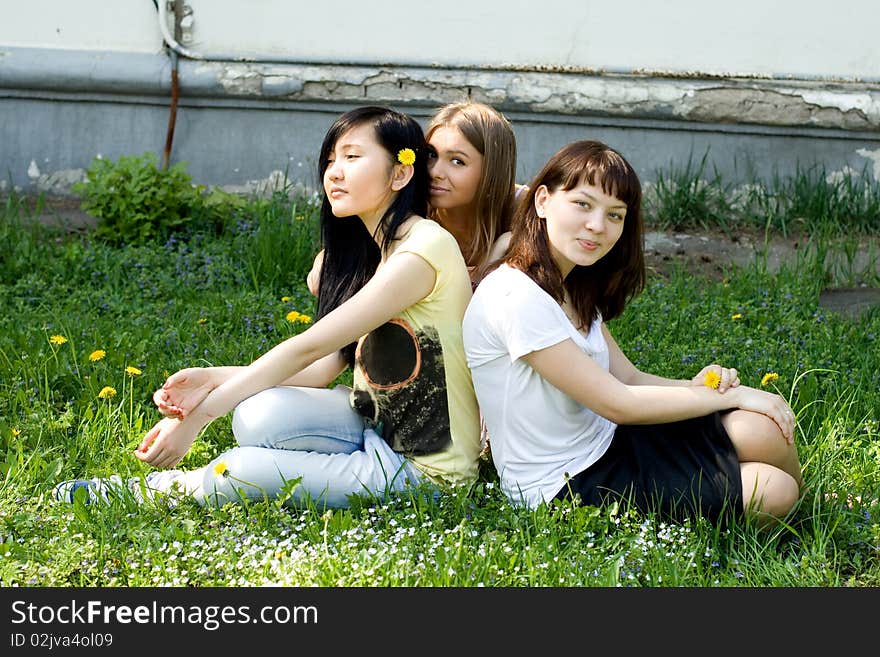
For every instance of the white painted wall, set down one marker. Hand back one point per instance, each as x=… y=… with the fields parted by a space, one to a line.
x=115 y=25
x=782 y=38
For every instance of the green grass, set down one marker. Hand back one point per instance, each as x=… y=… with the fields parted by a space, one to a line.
x=216 y=298
x=812 y=202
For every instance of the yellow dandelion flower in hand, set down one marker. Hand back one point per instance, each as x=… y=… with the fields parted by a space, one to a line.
x=221 y=469
x=57 y=339
x=712 y=380
x=406 y=156
x=132 y=370
x=768 y=378
x=97 y=354
x=106 y=392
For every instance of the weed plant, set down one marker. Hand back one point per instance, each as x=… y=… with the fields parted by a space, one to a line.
x=812 y=203
x=127 y=316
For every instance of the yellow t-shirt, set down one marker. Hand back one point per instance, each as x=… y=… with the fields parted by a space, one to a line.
x=411 y=379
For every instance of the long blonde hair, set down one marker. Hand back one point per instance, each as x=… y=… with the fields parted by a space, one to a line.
x=491 y=134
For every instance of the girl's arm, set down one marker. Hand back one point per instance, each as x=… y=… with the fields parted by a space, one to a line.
x=402 y=281
x=186 y=388
x=623 y=370
x=569 y=369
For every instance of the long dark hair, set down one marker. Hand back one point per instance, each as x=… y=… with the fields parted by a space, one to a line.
x=351 y=255
x=606 y=286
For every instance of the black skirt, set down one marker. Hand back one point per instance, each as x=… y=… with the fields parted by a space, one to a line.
x=678 y=470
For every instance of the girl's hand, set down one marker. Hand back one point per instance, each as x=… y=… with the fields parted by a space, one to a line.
x=729 y=377
x=166 y=443
x=313 y=279
x=769 y=404
x=183 y=391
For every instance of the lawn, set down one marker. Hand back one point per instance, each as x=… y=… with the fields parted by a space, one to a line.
x=91 y=327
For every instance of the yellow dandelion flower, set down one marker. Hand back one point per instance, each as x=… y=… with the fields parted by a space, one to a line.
x=406 y=156
x=305 y=319
x=16 y=431
x=201 y=320
x=57 y=339
x=769 y=377
x=132 y=370
x=106 y=392
x=97 y=354
x=285 y=299
x=712 y=379
x=736 y=316
x=300 y=217
x=292 y=316
x=221 y=469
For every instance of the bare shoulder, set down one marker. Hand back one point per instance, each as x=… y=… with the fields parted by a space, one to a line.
x=499 y=248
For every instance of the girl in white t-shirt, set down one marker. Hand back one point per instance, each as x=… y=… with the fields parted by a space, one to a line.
x=570 y=416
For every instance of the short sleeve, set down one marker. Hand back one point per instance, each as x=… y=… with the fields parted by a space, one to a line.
x=510 y=315
x=432 y=243
x=531 y=321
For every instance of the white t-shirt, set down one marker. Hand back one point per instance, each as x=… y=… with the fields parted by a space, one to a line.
x=539 y=435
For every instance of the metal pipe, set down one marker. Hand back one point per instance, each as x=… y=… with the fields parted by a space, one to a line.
x=173 y=43
x=175 y=84
x=172 y=112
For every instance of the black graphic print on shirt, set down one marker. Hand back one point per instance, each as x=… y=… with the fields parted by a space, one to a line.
x=406 y=395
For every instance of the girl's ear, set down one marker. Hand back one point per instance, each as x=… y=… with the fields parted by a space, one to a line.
x=401 y=175
x=542 y=195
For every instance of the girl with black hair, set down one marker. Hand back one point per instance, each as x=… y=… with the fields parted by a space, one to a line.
x=391 y=299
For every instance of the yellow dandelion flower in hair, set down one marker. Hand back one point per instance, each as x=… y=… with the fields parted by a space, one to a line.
x=97 y=354
x=712 y=379
x=406 y=156
x=106 y=392
x=132 y=370
x=221 y=469
x=768 y=378
x=736 y=316
x=57 y=339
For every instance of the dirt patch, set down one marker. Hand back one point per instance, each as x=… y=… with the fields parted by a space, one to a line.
x=710 y=255
x=59 y=212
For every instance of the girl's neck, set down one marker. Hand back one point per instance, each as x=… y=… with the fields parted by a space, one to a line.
x=373 y=224
x=458 y=221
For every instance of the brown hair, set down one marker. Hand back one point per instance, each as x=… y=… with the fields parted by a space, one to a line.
x=489 y=131
x=606 y=286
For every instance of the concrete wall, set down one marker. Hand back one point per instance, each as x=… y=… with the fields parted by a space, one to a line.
x=758 y=87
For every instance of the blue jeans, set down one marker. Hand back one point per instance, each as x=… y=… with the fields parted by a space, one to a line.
x=288 y=433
